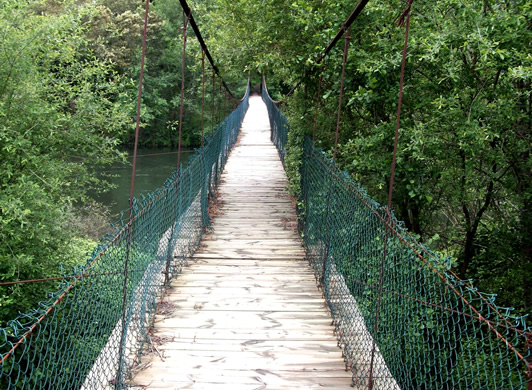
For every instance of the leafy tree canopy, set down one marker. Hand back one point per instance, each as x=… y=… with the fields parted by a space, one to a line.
x=62 y=111
x=463 y=181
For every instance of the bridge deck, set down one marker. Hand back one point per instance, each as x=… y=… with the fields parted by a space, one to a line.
x=246 y=314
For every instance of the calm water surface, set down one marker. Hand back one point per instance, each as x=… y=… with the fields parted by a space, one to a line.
x=153 y=167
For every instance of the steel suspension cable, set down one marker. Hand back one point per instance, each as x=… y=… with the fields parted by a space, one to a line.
x=219 y=109
x=345 y=26
x=131 y=195
x=202 y=95
x=405 y=16
x=188 y=11
x=186 y=19
x=317 y=108
x=330 y=190
x=342 y=79
x=212 y=103
x=180 y=127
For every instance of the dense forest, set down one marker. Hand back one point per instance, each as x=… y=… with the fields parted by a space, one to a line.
x=69 y=73
x=463 y=182
x=68 y=84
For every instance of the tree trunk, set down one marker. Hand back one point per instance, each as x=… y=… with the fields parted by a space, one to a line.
x=410 y=215
x=472 y=227
x=526 y=251
x=468 y=253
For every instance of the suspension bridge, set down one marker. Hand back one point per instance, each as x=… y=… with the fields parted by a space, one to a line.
x=247 y=307
x=220 y=280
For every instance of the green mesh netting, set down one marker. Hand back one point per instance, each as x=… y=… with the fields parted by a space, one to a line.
x=401 y=316
x=75 y=340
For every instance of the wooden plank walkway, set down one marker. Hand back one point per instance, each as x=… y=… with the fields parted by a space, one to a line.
x=246 y=314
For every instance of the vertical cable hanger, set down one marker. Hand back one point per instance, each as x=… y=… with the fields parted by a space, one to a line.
x=202 y=96
x=178 y=179
x=317 y=107
x=212 y=105
x=329 y=192
x=121 y=347
x=219 y=111
x=404 y=21
x=186 y=19
x=342 y=79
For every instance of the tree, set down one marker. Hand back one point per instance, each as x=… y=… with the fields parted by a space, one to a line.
x=61 y=112
x=463 y=173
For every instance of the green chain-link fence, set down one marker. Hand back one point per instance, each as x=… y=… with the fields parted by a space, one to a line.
x=278 y=123
x=92 y=331
x=403 y=319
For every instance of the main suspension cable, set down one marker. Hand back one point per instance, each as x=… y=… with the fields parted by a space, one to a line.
x=195 y=27
x=343 y=29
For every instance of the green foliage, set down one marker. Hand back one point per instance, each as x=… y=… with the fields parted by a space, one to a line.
x=115 y=36
x=75 y=334
x=68 y=72
x=432 y=329
x=68 y=77
x=61 y=111
x=465 y=129
x=463 y=164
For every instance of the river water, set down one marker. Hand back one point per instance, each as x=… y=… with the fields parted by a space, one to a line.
x=154 y=165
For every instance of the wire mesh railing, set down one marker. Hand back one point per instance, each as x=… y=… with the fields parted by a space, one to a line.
x=278 y=123
x=91 y=332
x=402 y=317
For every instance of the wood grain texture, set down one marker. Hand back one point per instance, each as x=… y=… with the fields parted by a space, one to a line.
x=246 y=312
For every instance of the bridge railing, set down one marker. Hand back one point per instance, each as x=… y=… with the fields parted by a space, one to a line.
x=92 y=331
x=402 y=317
x=278 y=122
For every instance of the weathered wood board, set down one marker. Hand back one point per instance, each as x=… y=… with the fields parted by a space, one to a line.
x=246 y=312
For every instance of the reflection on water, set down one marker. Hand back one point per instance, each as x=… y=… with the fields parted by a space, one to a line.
x=154 y=166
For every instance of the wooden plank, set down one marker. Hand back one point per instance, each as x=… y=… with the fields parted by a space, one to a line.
x=254 y=239
x=237 y=273
x=246 y=235
x=237 y=290
x=302 y=305
x=246 y=312
x=218 y=320
x=237 y=276
x=245 y=334
x=316 y=346
x=259 y=209
x=281 y=286
x=224 y=269
x=291 y=262
x=207 y=259
x=225 y=225
x=251 y=382
x=249 y=256
x=280 y=248
x=234 y=320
